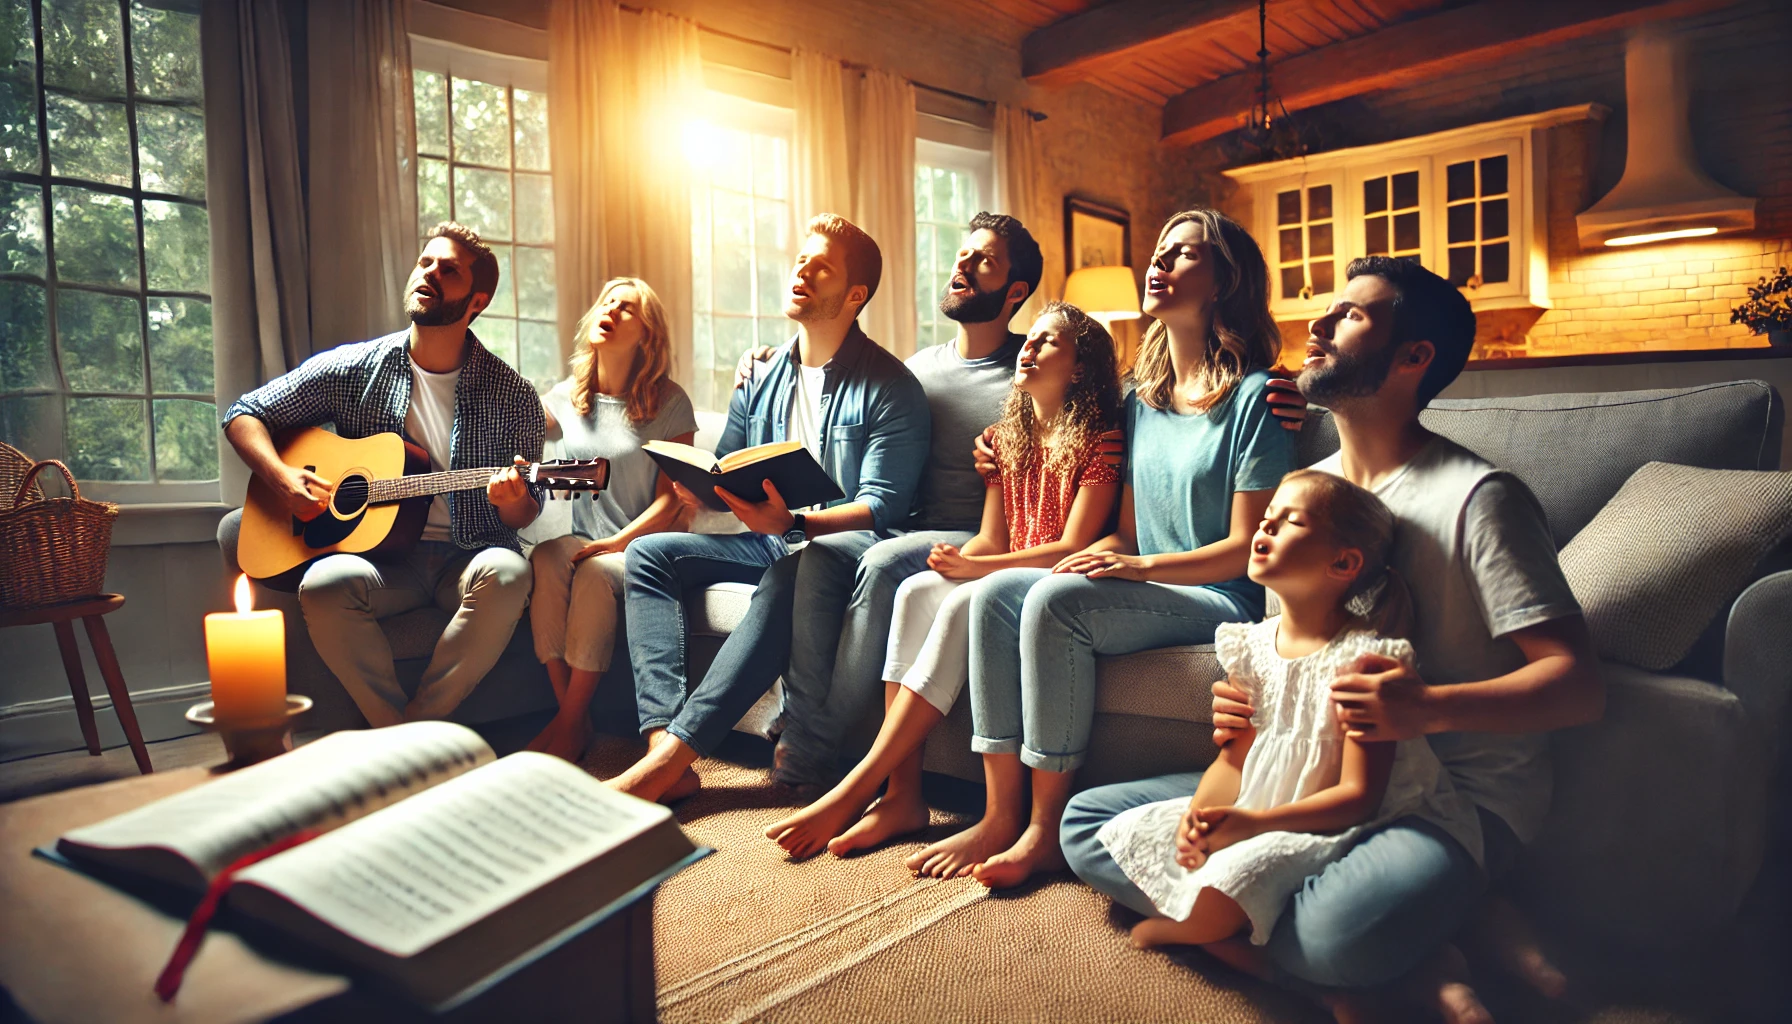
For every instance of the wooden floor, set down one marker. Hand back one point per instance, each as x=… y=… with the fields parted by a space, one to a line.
x=49 y=773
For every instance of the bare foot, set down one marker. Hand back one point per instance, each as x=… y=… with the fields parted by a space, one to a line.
x=1443 y=983
x=886 y=820
x=1503 y=934
x=955 y=855
x=546 y=736
x=687 y=785
x=662 y=774
x=804 y=833
x=1035 y=850
x=568 y=738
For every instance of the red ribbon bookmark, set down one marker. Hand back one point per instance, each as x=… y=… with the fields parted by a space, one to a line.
x=168 y=982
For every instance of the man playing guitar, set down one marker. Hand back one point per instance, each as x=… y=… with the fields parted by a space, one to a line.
x=440 y=388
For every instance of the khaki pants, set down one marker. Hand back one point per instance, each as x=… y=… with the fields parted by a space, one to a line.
x=576 y=611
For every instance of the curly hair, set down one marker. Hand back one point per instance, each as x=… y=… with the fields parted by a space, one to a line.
x=646 y=387
x=1091 y=405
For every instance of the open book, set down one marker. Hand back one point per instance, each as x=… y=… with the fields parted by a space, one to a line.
x=438 y=866
x=787 y=464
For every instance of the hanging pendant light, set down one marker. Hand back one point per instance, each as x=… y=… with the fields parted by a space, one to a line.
x=1271 y=134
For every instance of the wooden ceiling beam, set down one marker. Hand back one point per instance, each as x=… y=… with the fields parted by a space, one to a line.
x=1411 y=51
x=1070 y=50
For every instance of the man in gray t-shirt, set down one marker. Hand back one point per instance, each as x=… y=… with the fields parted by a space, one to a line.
x=1504 y=657
x=846 y=583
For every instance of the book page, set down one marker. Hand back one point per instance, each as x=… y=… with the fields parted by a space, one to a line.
x=321 y=785
x=703 y=460
x=420 y=871
x=757 y=453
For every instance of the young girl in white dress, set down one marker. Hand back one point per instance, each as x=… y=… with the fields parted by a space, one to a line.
x=1280 y=805
x=1052 y=495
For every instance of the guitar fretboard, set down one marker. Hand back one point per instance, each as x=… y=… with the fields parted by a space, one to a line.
x=400 y=488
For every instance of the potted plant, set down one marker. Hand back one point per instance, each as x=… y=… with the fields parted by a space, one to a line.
x=1768 y=309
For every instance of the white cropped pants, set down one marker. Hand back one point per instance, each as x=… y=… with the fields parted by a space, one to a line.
x=930 y=637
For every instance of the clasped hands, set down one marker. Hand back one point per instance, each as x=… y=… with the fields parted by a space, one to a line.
x=1205 y=831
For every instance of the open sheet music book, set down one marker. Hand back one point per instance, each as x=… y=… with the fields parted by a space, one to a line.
x=439 y=865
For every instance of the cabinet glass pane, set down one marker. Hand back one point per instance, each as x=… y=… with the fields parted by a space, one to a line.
x=1462 y=223
x=1493 y=175
x=1319 y=240
x=1460 y=180
x=1493 y=219
x=1290 y=245
x=1375 y=235
x=1496 y=262
x=1319 y=202
x=1324 y=280
x=1293 y=280
x=1406 y=190
x=1288 y=207
x=1406 y=231
x=1462 y=264
x=1375 y=195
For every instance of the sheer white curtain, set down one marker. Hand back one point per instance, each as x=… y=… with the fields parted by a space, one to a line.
x=821 y=171
x=620 y=87
x=363 y=158
x=1014 y=156
x=886 y=203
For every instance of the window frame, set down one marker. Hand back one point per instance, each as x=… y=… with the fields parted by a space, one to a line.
x=978 y=165
x=129 y=492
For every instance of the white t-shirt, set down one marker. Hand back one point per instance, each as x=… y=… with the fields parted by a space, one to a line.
x=805 y=408
x=430 y=422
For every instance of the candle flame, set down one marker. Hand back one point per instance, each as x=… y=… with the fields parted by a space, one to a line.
x=245 y=602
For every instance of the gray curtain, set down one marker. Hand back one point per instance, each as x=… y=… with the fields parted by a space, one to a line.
x=254 y=194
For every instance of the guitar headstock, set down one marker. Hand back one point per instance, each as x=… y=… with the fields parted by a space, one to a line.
x=571 y=476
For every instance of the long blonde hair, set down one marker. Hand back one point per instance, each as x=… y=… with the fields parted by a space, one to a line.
x=1091 y=404
x=1354 y=517
x=1245 y=336
x=646 y=388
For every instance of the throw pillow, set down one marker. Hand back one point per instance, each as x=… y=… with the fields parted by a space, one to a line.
x=1671 y=551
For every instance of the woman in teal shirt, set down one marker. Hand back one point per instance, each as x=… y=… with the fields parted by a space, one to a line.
x=1204 y=454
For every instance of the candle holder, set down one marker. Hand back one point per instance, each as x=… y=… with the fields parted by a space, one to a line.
x=251 y=741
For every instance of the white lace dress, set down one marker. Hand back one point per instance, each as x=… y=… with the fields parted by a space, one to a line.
x=1298 y=752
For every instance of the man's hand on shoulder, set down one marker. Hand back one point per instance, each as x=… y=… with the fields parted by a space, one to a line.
x=1381 y=699
x=1286 y=403
x=743 y=370
x=1232 y=712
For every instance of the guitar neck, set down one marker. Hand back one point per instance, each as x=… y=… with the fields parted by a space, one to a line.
x=383 y=491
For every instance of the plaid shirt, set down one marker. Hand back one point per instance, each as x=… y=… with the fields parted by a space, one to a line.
x=365 y=389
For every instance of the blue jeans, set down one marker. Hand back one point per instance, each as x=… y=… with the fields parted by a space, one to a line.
x=845 y=593
x=1034 y=638
x=1366 y=920
x=662 y=568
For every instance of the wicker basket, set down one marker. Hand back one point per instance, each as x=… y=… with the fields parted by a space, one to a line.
x=51 y=549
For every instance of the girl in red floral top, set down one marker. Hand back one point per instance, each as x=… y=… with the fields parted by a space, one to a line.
x=1053 y=496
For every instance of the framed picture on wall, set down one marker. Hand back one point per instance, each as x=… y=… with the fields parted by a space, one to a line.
x=1095 y=235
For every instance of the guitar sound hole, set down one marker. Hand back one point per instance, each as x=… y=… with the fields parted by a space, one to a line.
x=350 y=497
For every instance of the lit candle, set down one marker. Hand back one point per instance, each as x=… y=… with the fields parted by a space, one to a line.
x=246 y=652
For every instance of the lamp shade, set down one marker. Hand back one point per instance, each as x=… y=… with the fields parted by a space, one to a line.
x=1107 y=292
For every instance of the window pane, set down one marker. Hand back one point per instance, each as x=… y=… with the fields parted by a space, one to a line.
x=33 y=425
x=1406 y=190
x=88 y=140
x=1375 y=196
x=497 y=334
x=171 y=150
x=165 y=54
x=769 y=277
x=535 y=293
x=1462 y=223
x=18 y=54
x=84 y=46
x=177 y=244
x=531 y=130
x=107 y=439
x=18 y=127
x=734 y=280
x=180 y=346
x=430 y=96
x=730 y=167
x=1288 y=207
x=1406 y=231
x=1493 y=218
x=771 y=174
x=1319 y=240
x=774 y=331
x=540 y=353
x=734 y=335
x=1375 y=235
x=1460 y=180
x=186 y=439
x=534 y=208
x=771 y=228
x=1496 y=263
x=102 y=341
x=943 y=208
x=703 y=357
x=923 y=192
x=1493 y=176
x=1324 y=279
x=1462 y=264
x=1319 y=202
x=481 y=123
x=432 y=193
x=96 y=237
x=733 y=219
x=24 y=339
x=482 y=201
x=21 y=228
x=504 y=299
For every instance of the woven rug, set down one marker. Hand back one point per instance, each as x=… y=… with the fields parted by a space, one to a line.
x=749 y=935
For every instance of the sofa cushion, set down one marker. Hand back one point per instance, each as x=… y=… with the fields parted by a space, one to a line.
x=1670 y=551
x=1575 y=451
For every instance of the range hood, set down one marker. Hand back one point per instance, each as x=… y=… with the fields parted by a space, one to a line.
x=1663 y=193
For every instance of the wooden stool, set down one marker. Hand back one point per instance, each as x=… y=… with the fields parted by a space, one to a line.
x=89 y=611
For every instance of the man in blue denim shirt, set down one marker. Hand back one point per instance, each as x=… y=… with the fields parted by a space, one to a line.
x=865 y=418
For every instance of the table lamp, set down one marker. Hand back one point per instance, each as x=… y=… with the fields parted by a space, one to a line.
x=1106 y=293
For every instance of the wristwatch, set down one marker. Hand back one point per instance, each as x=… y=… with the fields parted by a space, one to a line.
x=796 y=534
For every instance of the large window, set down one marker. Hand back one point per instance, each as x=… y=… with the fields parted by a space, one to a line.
x=950 y=188
x=105 y=314
x=741 y=230
x=482 y=160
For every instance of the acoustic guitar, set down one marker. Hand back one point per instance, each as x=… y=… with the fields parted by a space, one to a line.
x=378 y=503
